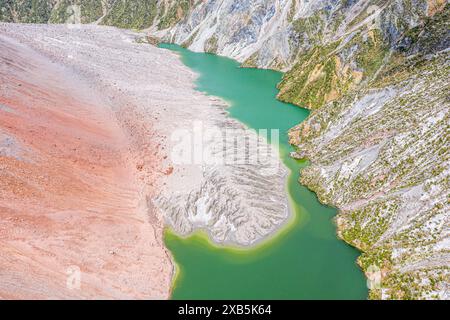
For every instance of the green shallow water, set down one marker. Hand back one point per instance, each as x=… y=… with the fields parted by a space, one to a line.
x=305 y=260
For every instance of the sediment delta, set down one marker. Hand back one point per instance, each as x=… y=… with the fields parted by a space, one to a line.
x=88 y=182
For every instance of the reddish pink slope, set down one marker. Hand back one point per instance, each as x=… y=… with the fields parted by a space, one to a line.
x=72 y=191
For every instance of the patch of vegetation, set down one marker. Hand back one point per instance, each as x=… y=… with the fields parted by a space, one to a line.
x=429 y=37
x=369 y=223
x=25 y=11
x=251 y=61
x=175 y=12
x=309 y=29
x=311 y=79
x=60 y=12
x=309 y=177
x=371 y=52
x=211 y=45
x=131 y=14
x=366 y=12
x=91 y=10
x=414 y=285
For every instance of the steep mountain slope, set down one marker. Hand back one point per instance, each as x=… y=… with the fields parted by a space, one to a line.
x=328 y=47
x=381 y=155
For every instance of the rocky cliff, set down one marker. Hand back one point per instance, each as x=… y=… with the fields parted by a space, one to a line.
x=328 y=48
x=381 y=155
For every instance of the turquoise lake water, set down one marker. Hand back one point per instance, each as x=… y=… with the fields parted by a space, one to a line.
x=305 y=260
